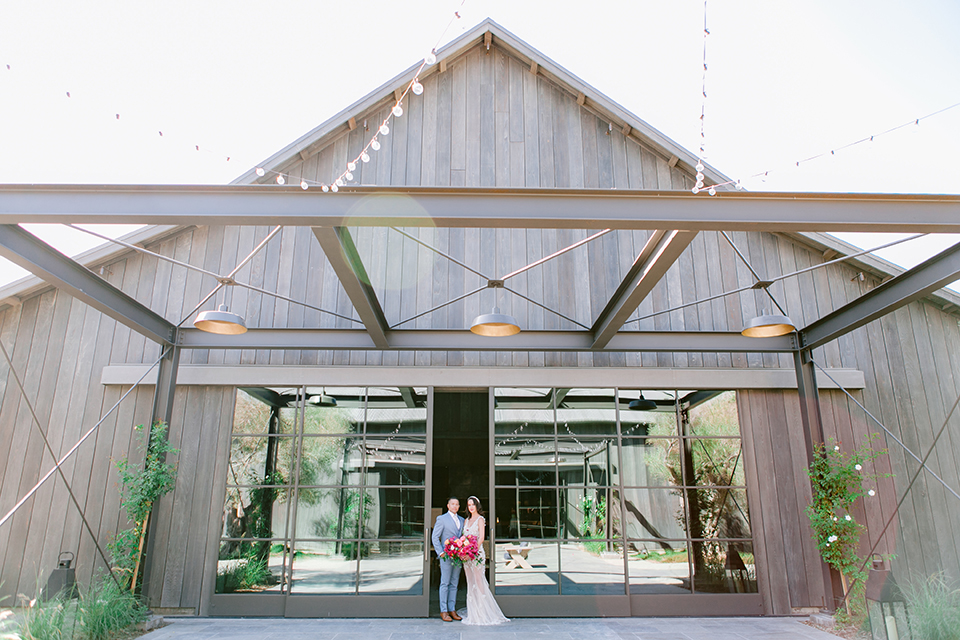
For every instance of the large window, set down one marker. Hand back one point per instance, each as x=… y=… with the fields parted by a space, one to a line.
x=602 y=491
x=325 y=492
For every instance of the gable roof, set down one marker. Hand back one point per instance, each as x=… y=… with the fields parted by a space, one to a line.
x=486 y=34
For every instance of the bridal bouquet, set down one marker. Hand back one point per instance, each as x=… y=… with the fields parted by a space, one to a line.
x=463 y=550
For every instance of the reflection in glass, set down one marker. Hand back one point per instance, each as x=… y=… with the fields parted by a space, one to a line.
x=588 y=461
x=332 y=410
x=527 y=513
x=724 y=566
x=261 y=411
x=393 y=512
x=591 y=567
x=716 y=461
x=718 y=512
x=250 y=567
x=332 y=512
x=396 y=459
x=392 y=567
x=586 y=412
x=527 y=568
x=331 y=460
x=717 y=416
x=260 y=460
x=254 y=512
x=654 y=513
x=528 y=460
x=590 y=512
x=325 y=567
x=396 y=411
x=652 y=462
x=523 y=412
x=658 y=566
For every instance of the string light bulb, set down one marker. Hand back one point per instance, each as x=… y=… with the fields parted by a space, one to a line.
x=712 y=191
x=375 y=144
x=280 y=179
x=417 y=87
x=304 y=185
x=365 y=157
x=397 y=110
x=351 y=166
x=384 y=129
x=348 y=175
x=338 y=182
x=334 y=187
x=324 y=188
x=260 y=172
x=431 y=58
x=696 y=190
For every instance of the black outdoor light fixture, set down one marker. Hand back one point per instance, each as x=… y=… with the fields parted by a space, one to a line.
x=221 y=321
x=642 y=404
x=769 y=326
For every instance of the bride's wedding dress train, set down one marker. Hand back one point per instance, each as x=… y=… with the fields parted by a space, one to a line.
x=481 y=609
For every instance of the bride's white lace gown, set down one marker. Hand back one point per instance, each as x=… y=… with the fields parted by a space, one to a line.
x=481 y=609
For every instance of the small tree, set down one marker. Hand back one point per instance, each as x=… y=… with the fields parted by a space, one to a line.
x=140 y=488
x=837 y=479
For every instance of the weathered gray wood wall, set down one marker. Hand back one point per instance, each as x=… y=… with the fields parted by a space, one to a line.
x=486 y=120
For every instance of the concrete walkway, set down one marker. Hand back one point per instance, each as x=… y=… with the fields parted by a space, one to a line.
x=520 y=629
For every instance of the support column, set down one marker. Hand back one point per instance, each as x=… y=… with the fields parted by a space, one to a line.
x=812 y=422
x=162 y=411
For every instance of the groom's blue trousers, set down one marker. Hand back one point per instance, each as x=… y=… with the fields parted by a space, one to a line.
x=449 y=579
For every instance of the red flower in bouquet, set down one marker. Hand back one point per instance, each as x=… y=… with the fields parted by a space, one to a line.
x=462 y=550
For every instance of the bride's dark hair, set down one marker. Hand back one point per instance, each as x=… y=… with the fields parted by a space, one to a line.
x=476 y=502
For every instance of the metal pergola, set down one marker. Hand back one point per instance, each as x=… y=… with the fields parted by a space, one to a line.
x=674 y=218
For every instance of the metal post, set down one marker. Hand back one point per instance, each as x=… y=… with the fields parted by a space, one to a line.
x=812 y=422
x=164 y=393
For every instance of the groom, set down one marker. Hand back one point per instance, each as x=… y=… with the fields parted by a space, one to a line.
x=448 y=525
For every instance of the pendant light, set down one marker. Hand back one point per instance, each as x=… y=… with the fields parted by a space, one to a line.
x=495 y=324
x=769 y=326
x=322 y=400
x=221 y=321
x=642 y=404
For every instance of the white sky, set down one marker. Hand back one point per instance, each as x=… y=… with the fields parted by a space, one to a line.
x=243 y=79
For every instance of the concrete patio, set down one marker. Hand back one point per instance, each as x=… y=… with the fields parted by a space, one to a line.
x=554 y=628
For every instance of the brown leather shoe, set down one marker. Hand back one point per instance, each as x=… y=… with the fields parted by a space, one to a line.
x=445 y=616
x=453 y=614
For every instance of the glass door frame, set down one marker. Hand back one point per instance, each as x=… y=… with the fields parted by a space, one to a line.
x=289 y=604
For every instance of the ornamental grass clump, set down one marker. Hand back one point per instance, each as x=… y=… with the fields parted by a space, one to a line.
x=838 y=481
x=105 y=610
x=934 y=606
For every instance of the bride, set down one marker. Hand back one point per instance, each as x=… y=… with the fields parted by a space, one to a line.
x=481 y=609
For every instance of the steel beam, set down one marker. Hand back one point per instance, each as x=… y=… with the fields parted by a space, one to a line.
x=661 y=250
x=345 y=260
x=913 y=284
x=36 y=256
x=478 y=207
x=461 y=340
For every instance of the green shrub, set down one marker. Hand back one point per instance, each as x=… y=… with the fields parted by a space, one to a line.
x=43 y=620
x=244 y=575
x=105 y=610
x=934 y=609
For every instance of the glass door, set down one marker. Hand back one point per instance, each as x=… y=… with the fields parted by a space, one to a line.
x=353 y=539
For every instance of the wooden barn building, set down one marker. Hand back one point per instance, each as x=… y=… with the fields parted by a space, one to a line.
x=636 y=454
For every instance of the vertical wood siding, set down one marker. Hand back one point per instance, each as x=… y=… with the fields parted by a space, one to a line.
x=485 y=121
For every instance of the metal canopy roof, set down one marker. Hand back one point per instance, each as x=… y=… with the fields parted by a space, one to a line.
x=676 y=216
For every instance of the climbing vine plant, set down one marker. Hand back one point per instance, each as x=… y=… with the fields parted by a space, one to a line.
x=838 y=480
x=140 y=488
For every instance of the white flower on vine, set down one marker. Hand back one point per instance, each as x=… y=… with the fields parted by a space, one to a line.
x=835 y=518
x=847 y=517
x=828 y=544
x=832 y=538
x=836 y=447
x=871 y=493
x=857 y=467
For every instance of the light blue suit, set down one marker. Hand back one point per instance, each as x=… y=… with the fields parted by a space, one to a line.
x=443 y=530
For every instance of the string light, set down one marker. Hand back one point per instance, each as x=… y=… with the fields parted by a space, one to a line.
x=703 y=109
x=915 y=122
